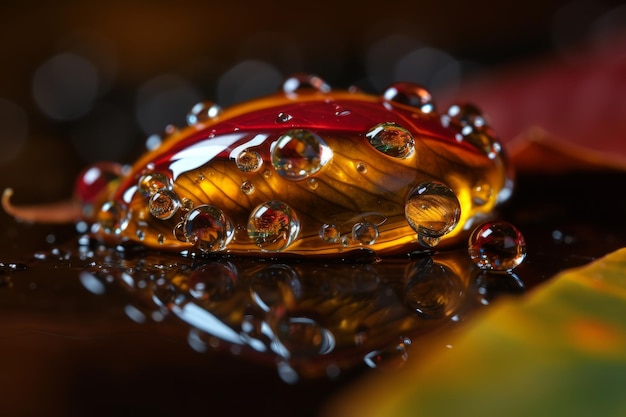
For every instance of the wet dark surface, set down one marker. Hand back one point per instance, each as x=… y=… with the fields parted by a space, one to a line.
x=68 y=348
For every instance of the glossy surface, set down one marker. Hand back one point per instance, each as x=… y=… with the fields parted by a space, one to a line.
x=388 y=173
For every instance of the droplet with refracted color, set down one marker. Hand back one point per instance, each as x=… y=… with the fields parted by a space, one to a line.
x=497 y=246
x=300 y=153
x=329 y=233
x=463 y=114
x=392 y=140
x=247 y=187
x=365 y=233
x=411 y=94
x=112 y=217
x=273 y=226
x=482 y=140
x=283 y=117
x=152 y=182
x=481 y=193
x=202 y=112
x=163 y=204
x=208 y=228
x=249 y=161
x=432 y=209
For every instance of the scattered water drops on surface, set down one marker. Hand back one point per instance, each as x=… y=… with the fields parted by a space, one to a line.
x=208 y=228
x=163 y=204
x=392 y=140
x=201 y=112
x=150 y=183
x=249 y=161
x=273 y=226
x=300 y=153
x=112 y=217
x=432 y=210
x=365 y=233
x=497 y=246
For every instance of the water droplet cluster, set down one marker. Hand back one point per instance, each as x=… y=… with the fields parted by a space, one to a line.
x=310 y=170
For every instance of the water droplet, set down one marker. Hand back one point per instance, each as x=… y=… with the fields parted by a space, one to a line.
x=361 y=168
x=300 y=82
x=312 y=183
x=497 y=246
x=160 y=239
x=112 y=217
x=94 y=180
x=484 y=140
x=186 y=203
x=433 y=291
x=392 y=140
x=179 y=232
x=201 y=112
x=391 y=358
x=214 y=281
x=149 y=184
x=208 y=228
x=273 y=226
x=364 y=233
x=463 y=114
x=432 y=209
x=329 y=233
x=247 y=187
x=141 y=235
x=283 y=117
x=304 y=336
x=249 y=161
x=163 y=204
x=481 y=194
x=411 y=94
x=275 y=285
x=300 y=153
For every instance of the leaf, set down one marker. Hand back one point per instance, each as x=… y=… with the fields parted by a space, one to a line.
x=561 y=350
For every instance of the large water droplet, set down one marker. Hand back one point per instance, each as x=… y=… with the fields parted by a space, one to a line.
x=249 y=161
x=432 y=209
x=208 y=228
x=150 y=183
x=497 y=246
x=273 y=226
x=300 y=153
x=201 y=112
x=112 y=217
x=392 y=139
x=163 y=204
x=411 y=94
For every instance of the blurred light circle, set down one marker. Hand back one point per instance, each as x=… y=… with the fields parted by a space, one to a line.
x=165 y=100
x=382 y=55
x=106 y=134
x=14 y=130
x=429 y=67
x=65 y=86
x=247 y=80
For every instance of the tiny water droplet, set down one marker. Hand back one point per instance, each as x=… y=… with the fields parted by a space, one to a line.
x=141 y=235
x=163 y=204
x=150 y=183
x=411 y=94
x=300 y=82
x=329 y=233
x=186 y=203
x=249 y=161
x=481 y=194
x=365 y=233
x=247 y=187
x=304 y=336
x=283 y=117
x=312 y=183
x=112 y=217
x=432 y=210
x=361 y=168
x=208 y=228
x=273 y=226
x=497 y=246
x=392 y=140
x=300 y=153
x=201 y=112
x=387 y=359
x=160 y=239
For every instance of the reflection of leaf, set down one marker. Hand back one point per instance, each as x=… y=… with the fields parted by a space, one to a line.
x=559 y=351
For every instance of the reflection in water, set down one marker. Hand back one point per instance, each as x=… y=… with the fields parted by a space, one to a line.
x=308 y=318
